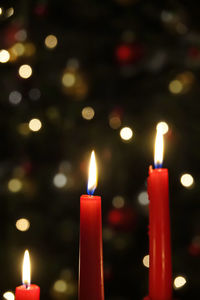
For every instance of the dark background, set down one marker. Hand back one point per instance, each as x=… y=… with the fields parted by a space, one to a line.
x=122 y=56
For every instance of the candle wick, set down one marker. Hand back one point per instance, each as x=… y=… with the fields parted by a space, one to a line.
x=26 y=285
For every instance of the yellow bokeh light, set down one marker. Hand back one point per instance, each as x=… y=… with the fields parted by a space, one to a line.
x=22 y=224
x=35 y=124
x=10 y=11
x=51 y=41
x=4 y=56
x=114 y=122
x=1 y=11
x=187 y=180
x=60 y=286
x=68 y=79
x=25 y=71
x=60 y=180
x=175 y=86
x=163 y=127
x=179 y=282
x=18 y=49
x=88 y=113
x=23 y=129
x=118 y=202
x=14 y=185
x=146 y=261
x=126 y=133
x=9 y=295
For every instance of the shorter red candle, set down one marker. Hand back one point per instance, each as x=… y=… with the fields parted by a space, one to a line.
x=27 y=291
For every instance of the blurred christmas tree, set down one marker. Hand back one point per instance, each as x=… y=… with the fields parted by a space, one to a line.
x=82 y=75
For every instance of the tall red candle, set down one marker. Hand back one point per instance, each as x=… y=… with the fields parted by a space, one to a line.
x=27 y=291
x=160 y=271
x=91 y=283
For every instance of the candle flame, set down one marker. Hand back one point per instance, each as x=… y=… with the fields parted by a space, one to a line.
x=26 y=269
x=159 y=149
x=92 y=177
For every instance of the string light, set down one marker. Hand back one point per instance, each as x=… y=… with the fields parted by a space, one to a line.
x=187 y=180
x=143 y=198
x=179 y=282
x=9 y=295
x=118 y=201
x=60 y=286
x=68 y=79
x=10 y=11
x=88 y=113
x=60 y=180
x=126 y=133
x=146 y=261
x=4 y=56
x=14 y=185
x=175 y=86
x=35 y=125
x=15 y=97
x=25 y=71
x=22 y=224
x=51 y=41
x=163 y=127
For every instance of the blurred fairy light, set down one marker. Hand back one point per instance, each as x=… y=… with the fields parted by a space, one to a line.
x=68 y=79
x=73 y=64
x=35 y=125
x=10 y=11
x=187 y=180
x=163 y=126
x=60 y=286
x=51 y=41
x=22 y=224
x=88 y=113
x=114 y=122
x=118 y=202
x=34 y=94
x=30 y=49
x=9 y=295
x=15 y=97
x=23 y=129
x=25 y=71
x=14 y=185
x=179 y=282
x=143 y=198
x=18 y=49
x=4 y=56
x=1 y=11
x=146 y=261
x=60 y=180
x=21 y=35
x=175 y=86
x=126 y=133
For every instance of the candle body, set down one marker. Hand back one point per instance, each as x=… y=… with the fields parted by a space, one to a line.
x=160 y=271
x=30 y=293
x=91 y=282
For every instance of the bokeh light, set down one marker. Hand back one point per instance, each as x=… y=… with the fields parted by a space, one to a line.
x=187 y=180
x=60 y=180
x=68 y=79
x=60 y=286
x=126 y=133
x=22 y=224
x=4 y=56
x=51 y=41
x=175 y=86
x=88 y=113
x=163 y=127
x=1 y=11
x=35 y=124
x=118 y=202
x=15 y=97
x=14 y=185
x=18 y=49
x=21 y=35
x=146 y=261
x=9 y=295
x=179 y=282
x=10 y=11
x=23 y=129
x=25 y=71
x=114 y=122
x=143 y=198
x=34 y=94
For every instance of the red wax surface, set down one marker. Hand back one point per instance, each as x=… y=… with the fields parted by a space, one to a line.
x=30 y=293
x=91 y=282
x=160 y=271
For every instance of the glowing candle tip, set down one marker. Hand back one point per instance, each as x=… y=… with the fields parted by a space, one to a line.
x=159 y=149
x=26 y=270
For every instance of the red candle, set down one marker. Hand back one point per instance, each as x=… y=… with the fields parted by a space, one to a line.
x=91 y=283
x=160 y=271
x=27 y=291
